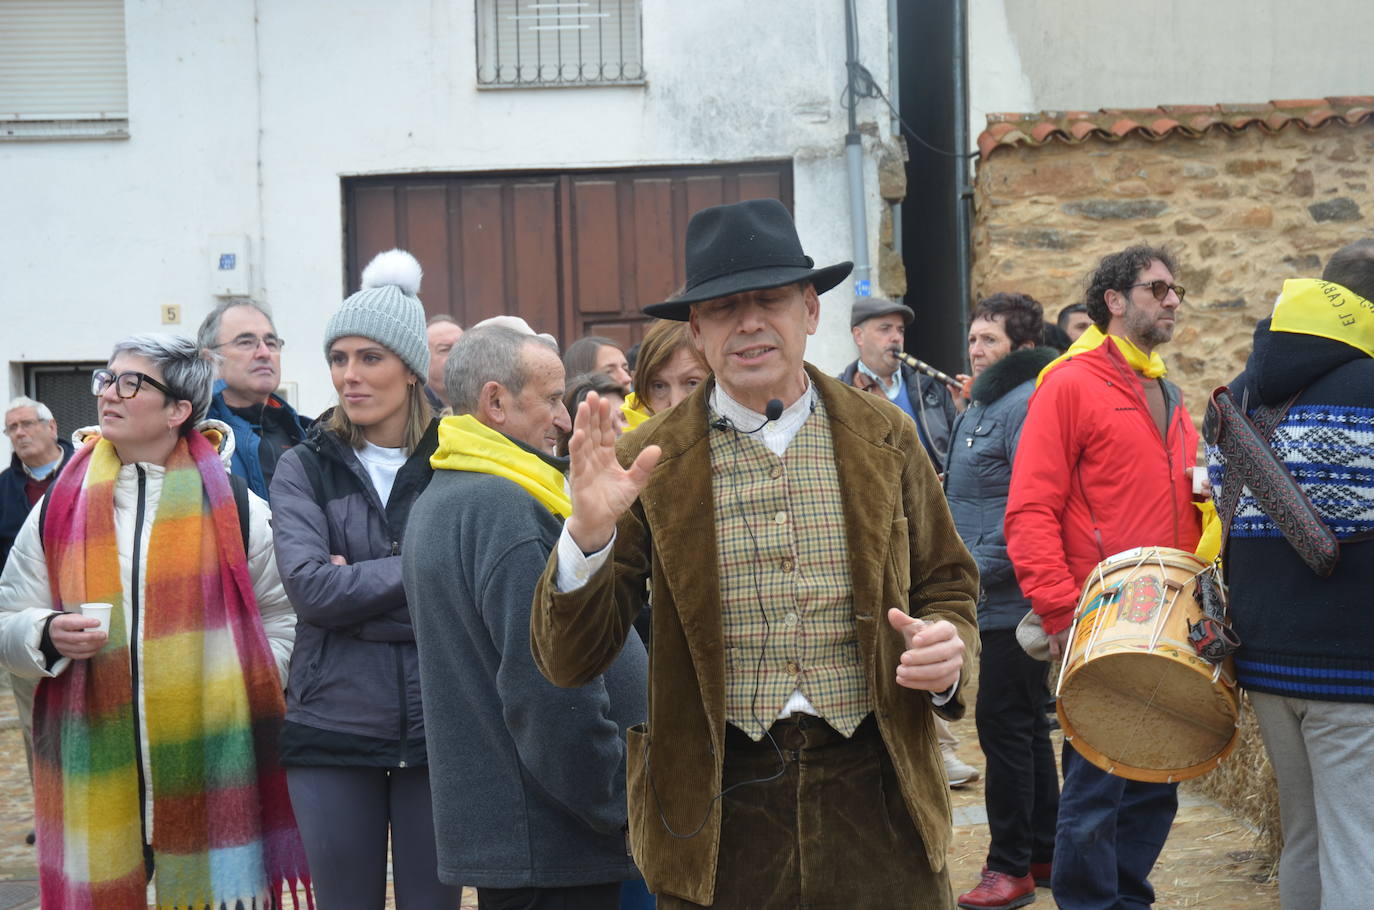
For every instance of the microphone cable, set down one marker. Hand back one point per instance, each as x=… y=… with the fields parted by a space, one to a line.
x=772 y=411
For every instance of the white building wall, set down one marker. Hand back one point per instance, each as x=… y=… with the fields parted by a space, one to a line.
x=245 y=116
x=1066 y=55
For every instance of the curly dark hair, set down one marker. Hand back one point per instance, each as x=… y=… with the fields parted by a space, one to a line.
x=1023 y=316
x=1118 y=272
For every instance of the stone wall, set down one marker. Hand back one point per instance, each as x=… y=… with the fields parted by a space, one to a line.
x=1241 y=212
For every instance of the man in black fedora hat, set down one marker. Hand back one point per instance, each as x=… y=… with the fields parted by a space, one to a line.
x=812 y=604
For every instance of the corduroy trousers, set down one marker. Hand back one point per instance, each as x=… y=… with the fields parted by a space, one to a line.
x=816 y=820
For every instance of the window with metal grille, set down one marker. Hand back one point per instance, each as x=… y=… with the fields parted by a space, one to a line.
x=533 y=43
x=66 y=389
x=62 y=70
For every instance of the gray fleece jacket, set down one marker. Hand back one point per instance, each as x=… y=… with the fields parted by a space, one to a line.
x=528 y=779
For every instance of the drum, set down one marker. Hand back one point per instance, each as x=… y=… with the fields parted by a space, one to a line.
x=1134 y=697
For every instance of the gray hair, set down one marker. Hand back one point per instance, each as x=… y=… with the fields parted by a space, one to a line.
x=207 y=336
x=185 y=370
x=23 y=401
x=489 y=353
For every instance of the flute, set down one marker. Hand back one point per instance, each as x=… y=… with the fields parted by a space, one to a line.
x=923 y=367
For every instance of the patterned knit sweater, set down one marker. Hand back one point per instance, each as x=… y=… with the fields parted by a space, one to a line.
x=1302 y=635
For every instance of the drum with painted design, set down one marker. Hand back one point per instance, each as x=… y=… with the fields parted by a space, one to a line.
x=1134 y=697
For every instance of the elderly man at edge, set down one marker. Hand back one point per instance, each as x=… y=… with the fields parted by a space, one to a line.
x=789 y=758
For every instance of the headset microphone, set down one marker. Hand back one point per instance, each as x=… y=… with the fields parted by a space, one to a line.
x=771 y=412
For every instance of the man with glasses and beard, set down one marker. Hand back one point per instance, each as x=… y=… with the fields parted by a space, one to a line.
x=1104 y=465
x=241 y=333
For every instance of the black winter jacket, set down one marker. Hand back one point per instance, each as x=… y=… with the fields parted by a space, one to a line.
x=978 y=475
x=14 y=504
x=933 y=405
x=353 y=696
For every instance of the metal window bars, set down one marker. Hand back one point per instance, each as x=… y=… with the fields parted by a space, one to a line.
x=543 y=43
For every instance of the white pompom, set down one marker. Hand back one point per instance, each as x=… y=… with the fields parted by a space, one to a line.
x=394 y=267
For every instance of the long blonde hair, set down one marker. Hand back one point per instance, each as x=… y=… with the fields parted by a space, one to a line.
x=418 y=417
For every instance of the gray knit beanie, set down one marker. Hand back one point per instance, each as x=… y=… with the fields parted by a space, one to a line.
x=386 y=310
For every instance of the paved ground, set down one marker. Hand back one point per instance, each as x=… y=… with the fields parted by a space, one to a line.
x=1208 y=862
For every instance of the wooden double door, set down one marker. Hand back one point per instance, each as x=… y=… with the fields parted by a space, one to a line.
x=576 y=253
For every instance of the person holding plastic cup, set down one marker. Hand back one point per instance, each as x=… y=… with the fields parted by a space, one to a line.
x=174 y=702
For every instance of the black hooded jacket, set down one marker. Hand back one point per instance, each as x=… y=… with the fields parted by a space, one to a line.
x=1302 y=635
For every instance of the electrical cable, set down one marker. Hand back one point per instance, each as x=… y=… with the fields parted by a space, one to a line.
x=772 y=413
x=861 y=84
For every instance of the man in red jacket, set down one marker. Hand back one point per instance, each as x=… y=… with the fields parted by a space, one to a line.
x=1104 y=465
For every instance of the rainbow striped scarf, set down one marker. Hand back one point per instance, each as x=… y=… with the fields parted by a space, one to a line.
x=223 y=831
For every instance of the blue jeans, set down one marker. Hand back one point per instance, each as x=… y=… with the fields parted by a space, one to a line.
x=1109 y=835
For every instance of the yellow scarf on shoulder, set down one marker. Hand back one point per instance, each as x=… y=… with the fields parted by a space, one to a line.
x=634 y=411
x=1149 y=365
x=468 y=445
x=1311 y=307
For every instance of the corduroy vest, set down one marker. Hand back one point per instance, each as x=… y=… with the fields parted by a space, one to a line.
x=786 y=602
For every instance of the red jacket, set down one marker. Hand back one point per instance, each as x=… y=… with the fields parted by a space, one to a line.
x=1093 y=478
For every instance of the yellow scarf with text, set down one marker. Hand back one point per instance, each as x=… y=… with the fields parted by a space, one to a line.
x=465 y=444
x=1326 y=309
x=1151 y=365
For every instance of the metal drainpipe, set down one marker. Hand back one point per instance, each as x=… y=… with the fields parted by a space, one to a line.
x=854 y=163
x=894 y=82
x=963 y=191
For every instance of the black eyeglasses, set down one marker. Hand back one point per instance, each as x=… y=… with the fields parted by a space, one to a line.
x=249 y=342
x=1160 y=288
x=126 y=384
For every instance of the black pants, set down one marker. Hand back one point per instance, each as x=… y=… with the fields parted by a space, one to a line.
x=584 y=897
x=1021 y=790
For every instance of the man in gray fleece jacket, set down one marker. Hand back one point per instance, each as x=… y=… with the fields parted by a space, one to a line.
x=528 y=779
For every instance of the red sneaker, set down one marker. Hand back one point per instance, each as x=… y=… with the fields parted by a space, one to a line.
x=1041 y=873
x=999 y=891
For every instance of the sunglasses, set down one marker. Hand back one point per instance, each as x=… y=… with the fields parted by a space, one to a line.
x=126 y=384
x=1160 y=288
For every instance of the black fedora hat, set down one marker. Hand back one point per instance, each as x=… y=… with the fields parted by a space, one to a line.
x=746 y=246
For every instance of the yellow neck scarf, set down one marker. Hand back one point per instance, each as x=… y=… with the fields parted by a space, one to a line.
x=1326 y=309
x=467 y=445
x=1149 y=365
x=634 y=411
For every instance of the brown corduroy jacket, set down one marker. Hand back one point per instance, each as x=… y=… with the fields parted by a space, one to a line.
x=904 y=551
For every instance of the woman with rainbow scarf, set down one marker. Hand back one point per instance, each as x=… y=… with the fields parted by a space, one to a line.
x=155 y=741
x=354 y=742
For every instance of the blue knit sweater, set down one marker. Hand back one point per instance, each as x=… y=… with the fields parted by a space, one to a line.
x=1302 y=635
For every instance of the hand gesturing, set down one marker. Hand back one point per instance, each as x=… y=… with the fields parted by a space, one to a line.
x=601 y=489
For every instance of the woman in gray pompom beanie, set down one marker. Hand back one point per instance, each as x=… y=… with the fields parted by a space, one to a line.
x=373 y=407
x=353 y=743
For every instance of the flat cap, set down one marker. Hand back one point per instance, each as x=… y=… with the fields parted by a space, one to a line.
x=867 y=307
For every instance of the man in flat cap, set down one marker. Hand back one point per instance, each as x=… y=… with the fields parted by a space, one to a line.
x=803 y=637
x=879 y=328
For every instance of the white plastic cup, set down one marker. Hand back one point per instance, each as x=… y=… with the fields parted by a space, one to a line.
x=1199 y=475
x=100 y=612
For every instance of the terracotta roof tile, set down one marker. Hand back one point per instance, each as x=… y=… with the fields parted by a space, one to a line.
x=1187 y=120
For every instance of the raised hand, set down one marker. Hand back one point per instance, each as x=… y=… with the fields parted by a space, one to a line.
x=601 y=489
x=934 y=653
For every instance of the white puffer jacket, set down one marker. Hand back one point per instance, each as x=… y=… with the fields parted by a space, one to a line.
x=26 y=598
